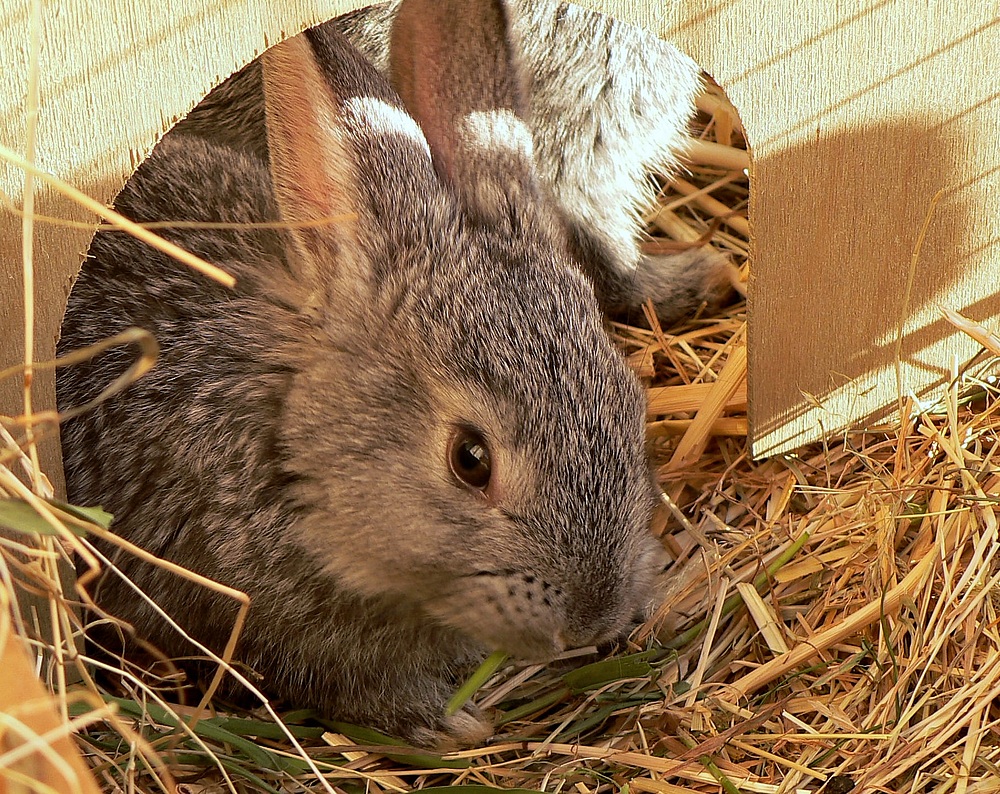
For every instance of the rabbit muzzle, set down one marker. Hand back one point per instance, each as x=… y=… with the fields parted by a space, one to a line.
x=528 y=616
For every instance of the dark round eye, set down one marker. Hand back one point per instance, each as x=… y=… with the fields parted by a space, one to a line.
x=469 y=458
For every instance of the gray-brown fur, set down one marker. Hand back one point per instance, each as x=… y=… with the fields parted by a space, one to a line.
x=292 y=440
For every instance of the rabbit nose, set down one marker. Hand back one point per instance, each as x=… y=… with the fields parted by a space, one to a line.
x=594 y=629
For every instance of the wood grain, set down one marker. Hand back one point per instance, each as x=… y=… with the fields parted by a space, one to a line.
x=857 y=115
x=115 y=76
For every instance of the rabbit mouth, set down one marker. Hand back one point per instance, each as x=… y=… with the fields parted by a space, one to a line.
x=518 y=612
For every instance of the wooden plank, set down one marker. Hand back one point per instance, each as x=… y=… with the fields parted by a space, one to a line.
x=114 y=76
x=857 y=115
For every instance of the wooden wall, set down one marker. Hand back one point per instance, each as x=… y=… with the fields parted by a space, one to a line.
x=857 y=113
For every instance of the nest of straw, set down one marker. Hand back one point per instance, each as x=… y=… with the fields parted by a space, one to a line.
x=831 y=622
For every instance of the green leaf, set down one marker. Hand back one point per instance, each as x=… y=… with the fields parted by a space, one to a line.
x=207 y=729
x=299 y=716
x=95 y=515
x=534 y=706
x=21 y=517
x=606 y=671
x=415 y=759
x=735 y=601
x=201 y=760
x=475 y=790
x=591 y=720
x=264 y=729
x=482 y=674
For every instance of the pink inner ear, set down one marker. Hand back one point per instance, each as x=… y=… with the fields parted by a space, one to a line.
x=418 y=69
x=309 y=160
x=305 y=179
x=451 y=58
x=312 y=165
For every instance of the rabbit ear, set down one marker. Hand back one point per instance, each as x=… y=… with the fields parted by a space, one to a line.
x=454 y=67
x=314 y=182
x=338 y=144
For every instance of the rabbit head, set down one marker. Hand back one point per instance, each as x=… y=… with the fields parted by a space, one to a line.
x=462 y=436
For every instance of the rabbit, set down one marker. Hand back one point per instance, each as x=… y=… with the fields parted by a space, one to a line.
x=405 y=433
x=606 y=102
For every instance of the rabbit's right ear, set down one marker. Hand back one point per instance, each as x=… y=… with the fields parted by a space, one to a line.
x=455 y=68
x=314 y=183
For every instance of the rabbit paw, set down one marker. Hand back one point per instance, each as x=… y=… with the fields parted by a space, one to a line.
x=466 y=728
x=680 y=284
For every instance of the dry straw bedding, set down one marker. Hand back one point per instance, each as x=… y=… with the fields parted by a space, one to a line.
x=830 y=619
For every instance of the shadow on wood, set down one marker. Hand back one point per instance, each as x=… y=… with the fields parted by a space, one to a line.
x=849 y=290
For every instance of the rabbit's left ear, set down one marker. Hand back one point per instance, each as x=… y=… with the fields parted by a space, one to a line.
x=346 y=162
x=454 y=66
x=315 y=183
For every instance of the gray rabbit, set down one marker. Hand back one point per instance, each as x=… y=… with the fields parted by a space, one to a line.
x=405 y=433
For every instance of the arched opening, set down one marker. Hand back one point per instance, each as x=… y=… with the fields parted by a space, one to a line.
x=298 y=174
x=372 y=203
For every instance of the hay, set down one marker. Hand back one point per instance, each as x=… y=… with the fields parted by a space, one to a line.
x=830 y=618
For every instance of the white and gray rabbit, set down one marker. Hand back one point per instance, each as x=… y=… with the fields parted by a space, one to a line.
x=607 y=104
x=405 y=433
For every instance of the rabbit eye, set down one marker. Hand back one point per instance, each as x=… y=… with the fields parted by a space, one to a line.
x=469 y=458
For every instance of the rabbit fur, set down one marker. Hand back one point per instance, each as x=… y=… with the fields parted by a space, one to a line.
x=607 y=104
x=293 y=439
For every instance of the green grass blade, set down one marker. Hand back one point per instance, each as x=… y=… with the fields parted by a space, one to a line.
x=482 y=674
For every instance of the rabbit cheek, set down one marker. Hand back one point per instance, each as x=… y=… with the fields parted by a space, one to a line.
x=515 y=612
